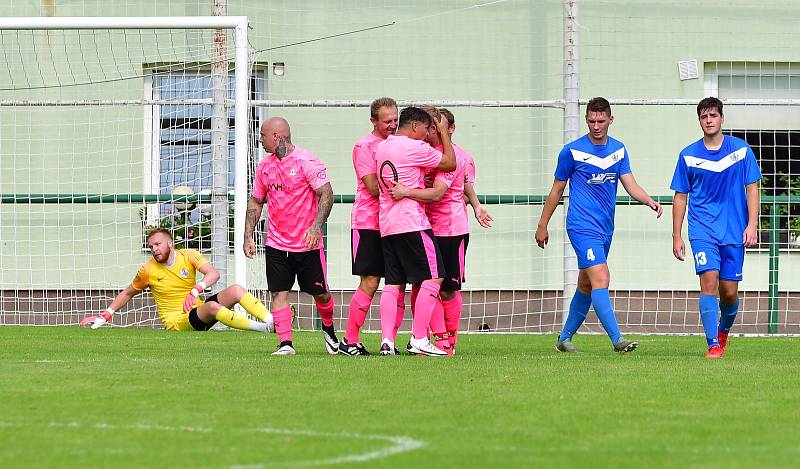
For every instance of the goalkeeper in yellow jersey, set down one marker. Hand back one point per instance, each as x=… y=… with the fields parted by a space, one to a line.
x=171 y=276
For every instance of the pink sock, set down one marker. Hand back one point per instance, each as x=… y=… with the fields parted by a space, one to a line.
x=414 y=293
x=440 y=335
x=452 y=316
x=359 y=307
x=326 y=312
x=401 y=311
x=283 y=323
x=425 y=304
x=388 y=309
x=437 y=318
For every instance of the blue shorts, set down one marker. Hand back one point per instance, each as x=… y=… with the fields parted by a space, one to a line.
x=591 y=249
x=727 y=259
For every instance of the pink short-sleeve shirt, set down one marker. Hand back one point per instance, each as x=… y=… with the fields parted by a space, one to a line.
x=448 y=216
x=289 y=186
x=364 y=215
x=404 y=160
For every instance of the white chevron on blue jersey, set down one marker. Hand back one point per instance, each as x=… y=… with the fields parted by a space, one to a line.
x=602 y=163
x=716 y=166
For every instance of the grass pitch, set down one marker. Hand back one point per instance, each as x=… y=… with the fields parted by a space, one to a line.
x=71 y=397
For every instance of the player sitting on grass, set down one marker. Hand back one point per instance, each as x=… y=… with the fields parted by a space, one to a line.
x=171 y=276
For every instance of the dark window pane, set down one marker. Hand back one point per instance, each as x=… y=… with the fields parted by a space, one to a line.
x=185 y=155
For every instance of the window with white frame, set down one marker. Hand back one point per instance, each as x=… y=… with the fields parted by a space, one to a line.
x=773 y=131
x=180 y=139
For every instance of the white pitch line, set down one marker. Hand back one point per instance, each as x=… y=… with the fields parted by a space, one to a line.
x=400 y=444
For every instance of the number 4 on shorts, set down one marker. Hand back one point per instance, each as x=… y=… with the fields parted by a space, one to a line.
x=590 y=254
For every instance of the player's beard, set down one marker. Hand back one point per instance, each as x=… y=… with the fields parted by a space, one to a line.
x=163 y=257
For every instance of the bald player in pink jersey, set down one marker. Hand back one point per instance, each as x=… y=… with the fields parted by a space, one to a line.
x=365 y=237
x=295 y=185
x=410 y=252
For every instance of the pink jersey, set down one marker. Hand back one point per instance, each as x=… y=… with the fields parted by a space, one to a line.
x=470 y=166
x=404 y=160
x=364 y=215
x=448 y=217
x=289 y=186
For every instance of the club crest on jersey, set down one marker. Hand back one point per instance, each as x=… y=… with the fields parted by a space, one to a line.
x=602 y=178
x=292 y=172
x=184 y=273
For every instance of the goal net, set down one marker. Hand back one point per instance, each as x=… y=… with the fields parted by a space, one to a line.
x=110 y=127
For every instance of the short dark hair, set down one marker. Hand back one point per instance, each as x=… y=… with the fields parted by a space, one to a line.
x=709 y=103
x=159 y=230
x=413 y=114
x=378 y=104
x=451 y=119
x=598 y=104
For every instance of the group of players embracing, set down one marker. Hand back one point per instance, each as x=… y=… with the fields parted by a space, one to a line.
x=410 y=226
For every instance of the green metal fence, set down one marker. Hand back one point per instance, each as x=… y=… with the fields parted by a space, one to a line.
x=774 y=202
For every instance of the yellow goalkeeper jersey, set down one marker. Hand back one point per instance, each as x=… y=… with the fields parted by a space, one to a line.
x=170 y=285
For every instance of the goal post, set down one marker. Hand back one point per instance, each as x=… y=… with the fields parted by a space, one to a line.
x=78 y=82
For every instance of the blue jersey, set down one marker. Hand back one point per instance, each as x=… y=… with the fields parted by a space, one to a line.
x=715 y=181
x=593 y=172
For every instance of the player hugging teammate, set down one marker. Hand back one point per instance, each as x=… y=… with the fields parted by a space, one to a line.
x=422 y=230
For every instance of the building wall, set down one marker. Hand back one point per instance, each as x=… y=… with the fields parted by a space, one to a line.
x=442 y=50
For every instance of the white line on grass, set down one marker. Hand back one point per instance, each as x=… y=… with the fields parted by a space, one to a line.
x=400 y=444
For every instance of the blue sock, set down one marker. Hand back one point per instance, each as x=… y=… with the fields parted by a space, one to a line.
x=728 y=316
x=605 y=312
x=709 y=307
x=578 y=309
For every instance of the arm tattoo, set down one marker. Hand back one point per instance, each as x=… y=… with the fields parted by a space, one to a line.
x=254 y=208
x=325 y=204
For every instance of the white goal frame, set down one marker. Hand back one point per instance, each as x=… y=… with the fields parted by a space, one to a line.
x=239 y=26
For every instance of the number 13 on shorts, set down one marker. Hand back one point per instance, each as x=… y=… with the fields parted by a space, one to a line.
x=700 y=258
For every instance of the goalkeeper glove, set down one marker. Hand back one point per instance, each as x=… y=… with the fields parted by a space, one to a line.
x=96 y=321
x=191 y=298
